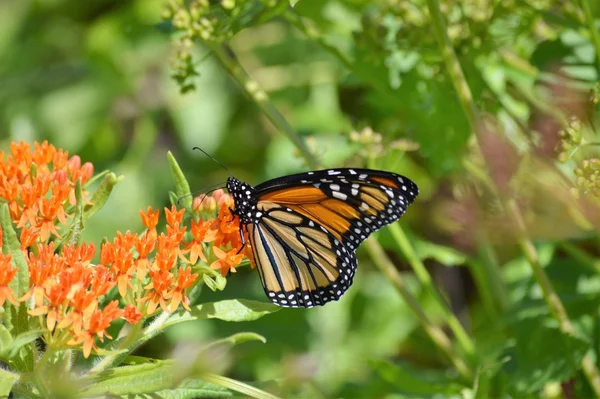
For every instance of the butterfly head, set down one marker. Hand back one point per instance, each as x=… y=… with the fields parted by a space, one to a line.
x=244 y=200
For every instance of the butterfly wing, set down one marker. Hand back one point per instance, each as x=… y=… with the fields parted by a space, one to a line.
x=350 y=203
x=301 y=264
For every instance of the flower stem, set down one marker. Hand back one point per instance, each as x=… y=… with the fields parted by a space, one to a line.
x=594 y=31
x=436 y=334
x=426 y=281
x=129 y=344
x=228 y=59
x=466 y=99
x=378 y=256
x=237 y=386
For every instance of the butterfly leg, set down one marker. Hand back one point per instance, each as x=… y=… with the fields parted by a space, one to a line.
x=243 y=241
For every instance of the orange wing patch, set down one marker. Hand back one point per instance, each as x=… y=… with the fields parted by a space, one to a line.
x=342 y=208
x=295 y=195
x=324 y=216
x=385 y=181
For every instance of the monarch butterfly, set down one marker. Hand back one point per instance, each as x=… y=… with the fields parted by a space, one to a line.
x=304 y=228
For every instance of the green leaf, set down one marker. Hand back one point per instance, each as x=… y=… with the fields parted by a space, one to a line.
x=17 y=320
x=415 y=381
x=192 y=388
x=240 y=338
x=101 y=195
x=137 y=379
x=540 y=354
x=234 y=310
x=150 y=378
x=24 y=339
x=76 y=226
x=445 y=255
x=6 y=342
x=228 y=310
x=182 y=187
x=11 y=245
x=7 y=380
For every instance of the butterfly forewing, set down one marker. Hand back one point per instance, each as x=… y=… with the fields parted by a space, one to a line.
x=351 y=203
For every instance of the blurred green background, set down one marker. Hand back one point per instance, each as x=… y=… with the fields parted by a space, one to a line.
x=95 y=79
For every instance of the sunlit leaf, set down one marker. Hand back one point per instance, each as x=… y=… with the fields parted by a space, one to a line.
x=541 y=353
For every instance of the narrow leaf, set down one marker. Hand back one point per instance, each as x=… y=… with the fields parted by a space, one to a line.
x=182 y=187
x=6 y=342
x=239 y=338
x=227 y=310
x=192 y=388
x=101 y=195
x=136 y=379
x=24 y=339
x=11 y=244
x=7 y=380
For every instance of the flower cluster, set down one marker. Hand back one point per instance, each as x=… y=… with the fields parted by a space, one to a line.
x=140 y=273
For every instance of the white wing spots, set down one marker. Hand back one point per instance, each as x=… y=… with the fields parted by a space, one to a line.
x=304 y=181
x=352 y=172
x=354 y=192
x=258 y=214
x=357 y=230
x=362 y=177
x=333 y=172
x=248 y=192
x=326 y=181
x=334 y=187
x=339 y=195
x=355 y=185
x=400 y=179
x=311 y=173
x=271 y=294
x=389 y=192
x=364 y=206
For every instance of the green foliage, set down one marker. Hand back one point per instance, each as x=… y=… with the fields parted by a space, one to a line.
x=365 y=84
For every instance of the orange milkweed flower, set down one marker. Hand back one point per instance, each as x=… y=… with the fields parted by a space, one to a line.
x=185 y=279
x=7 y=273
x=149 y=218
x=132 y=314
x=227 y=261
x=202 y=232
x=96 y=326
x=158 y=290
x=228 y=226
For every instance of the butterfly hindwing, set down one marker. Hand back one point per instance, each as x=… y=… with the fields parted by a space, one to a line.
x=301 y=264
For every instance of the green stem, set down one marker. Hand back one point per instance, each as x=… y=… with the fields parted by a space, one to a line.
x=228 y=59
x=237 y=386
x=594 y=32
x=436 y=334
x=453 y=66
x=129 y=344
x=426 y=281
x=466 y=99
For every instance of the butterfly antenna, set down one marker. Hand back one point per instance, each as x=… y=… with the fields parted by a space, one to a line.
x=210 y=188
x=213 y=158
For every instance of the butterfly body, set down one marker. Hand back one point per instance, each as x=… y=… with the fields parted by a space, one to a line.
x=304 y=229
